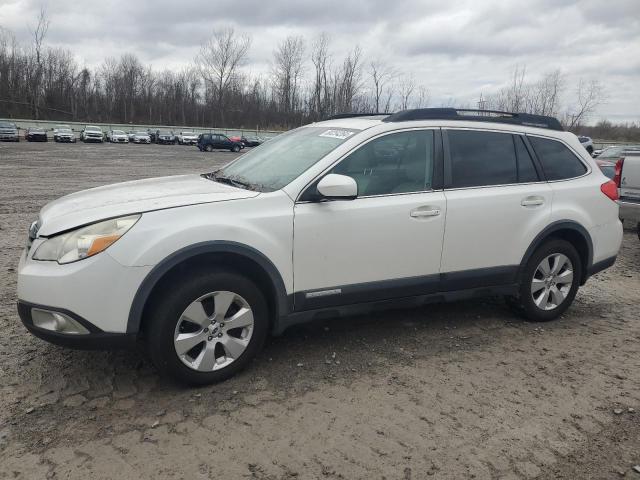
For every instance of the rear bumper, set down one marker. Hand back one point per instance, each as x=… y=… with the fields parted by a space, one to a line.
x=629 y=210
x=96 y=339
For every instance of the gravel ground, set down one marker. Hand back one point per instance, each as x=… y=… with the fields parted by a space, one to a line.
x=461 y=390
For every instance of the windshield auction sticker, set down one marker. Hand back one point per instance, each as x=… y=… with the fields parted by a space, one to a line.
x=341 y=134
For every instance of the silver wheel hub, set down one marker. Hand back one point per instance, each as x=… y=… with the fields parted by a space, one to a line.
x=213 y=331
x=552 y=281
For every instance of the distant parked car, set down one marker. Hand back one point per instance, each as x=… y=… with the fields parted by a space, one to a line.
x=140 y=137
x=63 y=133
x=251 y=141
x=9 y=132
x=117 y=136
x=607 y=167
x=164 y=137
x=587 y=143
x=616 y=152
x=238 y=140
x=207 y=142
x=35 y=134
x=91 y=133
x=130 y=135
x=187 y=138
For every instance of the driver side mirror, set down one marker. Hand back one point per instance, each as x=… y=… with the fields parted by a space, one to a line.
x=338 y=187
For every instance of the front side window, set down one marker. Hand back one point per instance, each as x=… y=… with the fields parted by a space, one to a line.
x=558 y=162
x=482 y=158
x=284 y=158
x=395 y=163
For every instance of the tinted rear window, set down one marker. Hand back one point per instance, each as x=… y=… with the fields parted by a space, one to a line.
x=482 y=158
x=558 y=162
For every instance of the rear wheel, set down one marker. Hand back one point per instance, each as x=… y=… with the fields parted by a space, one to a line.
x=207 y=328
x=550 y=281
x=235 y=148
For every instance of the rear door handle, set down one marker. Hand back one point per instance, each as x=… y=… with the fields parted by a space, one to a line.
x=424 y=212
x=532 y=201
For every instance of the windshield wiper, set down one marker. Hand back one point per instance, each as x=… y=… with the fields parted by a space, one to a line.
x=227 y=180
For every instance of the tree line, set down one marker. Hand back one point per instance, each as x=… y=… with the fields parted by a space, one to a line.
x=306 y=82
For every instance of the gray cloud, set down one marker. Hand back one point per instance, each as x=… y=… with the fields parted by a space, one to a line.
x=457 y=49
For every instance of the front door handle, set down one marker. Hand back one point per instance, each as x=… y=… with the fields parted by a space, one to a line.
x=532 y=201
x=424 y=212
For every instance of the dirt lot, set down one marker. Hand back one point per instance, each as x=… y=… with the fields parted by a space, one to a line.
x=462 y=390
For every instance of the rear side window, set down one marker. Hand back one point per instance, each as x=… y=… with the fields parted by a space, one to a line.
x=482 y=158
x=558 y=162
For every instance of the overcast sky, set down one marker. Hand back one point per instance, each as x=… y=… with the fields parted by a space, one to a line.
x=457 y=48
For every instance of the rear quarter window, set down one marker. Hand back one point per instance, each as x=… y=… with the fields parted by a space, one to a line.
x=558 y=162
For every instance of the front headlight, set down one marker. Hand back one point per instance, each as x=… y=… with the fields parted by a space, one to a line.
x=85 y=241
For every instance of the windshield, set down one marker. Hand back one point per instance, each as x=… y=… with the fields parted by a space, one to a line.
x=93 y=129
x=64 y=130
x=6 y=125
x=188 y=133
x=118 y=132
x=278 y=162
x=142 y=133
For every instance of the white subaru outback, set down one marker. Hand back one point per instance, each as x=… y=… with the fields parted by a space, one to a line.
x=341 y=216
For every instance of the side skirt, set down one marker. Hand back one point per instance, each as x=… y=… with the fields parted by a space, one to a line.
x=400 y=293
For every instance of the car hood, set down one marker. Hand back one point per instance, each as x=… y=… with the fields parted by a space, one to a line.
x=127 y=198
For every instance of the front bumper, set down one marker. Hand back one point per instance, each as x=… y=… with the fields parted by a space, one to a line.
x=9 y=136
x=98 y=289
x=96 y=339
x=629 y=210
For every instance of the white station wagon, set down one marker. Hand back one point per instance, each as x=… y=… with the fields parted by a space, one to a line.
x=339 y=216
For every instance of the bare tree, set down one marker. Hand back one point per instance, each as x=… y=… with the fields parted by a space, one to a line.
x=589 y=94
x=348 y=82
x=287 y=72
x=320 y=59
x=423 y=97
x=219 y=59
x=406 y=87
x=381 y=77
x=39 y=33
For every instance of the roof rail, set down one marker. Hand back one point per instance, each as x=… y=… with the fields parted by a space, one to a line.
x=338 y=116
x=526 y=119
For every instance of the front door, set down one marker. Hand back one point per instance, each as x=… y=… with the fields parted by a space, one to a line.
x=384 y=244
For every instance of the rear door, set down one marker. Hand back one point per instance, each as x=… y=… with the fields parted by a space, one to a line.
x=496 y=205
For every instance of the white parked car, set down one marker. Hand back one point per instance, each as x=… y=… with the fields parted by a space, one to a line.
x=141 y=137
x=187 y=138
x=117 y=136
x=587 y=143
x=91 y=133
x=337 y=216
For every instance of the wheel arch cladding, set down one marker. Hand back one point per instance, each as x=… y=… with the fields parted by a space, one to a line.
x=236 y=256
x=573 y=233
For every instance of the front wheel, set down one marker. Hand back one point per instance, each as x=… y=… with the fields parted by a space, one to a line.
x=207 y=328
x=550 y=281
x=235 y=149
x=209 y=148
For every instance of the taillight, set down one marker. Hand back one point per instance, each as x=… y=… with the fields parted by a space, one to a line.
x=610 y=189
x=618 y=171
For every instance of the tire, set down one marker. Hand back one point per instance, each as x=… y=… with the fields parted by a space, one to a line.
x=559 y=295
x=166 y=322
x=208 y=148
x=590 y=150
x=638 y=230
x=235 y=149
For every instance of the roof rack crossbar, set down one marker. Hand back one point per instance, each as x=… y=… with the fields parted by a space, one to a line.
x=338 y=116
x=496 y=116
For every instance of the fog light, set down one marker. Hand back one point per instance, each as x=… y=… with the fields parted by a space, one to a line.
x=56 y=322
